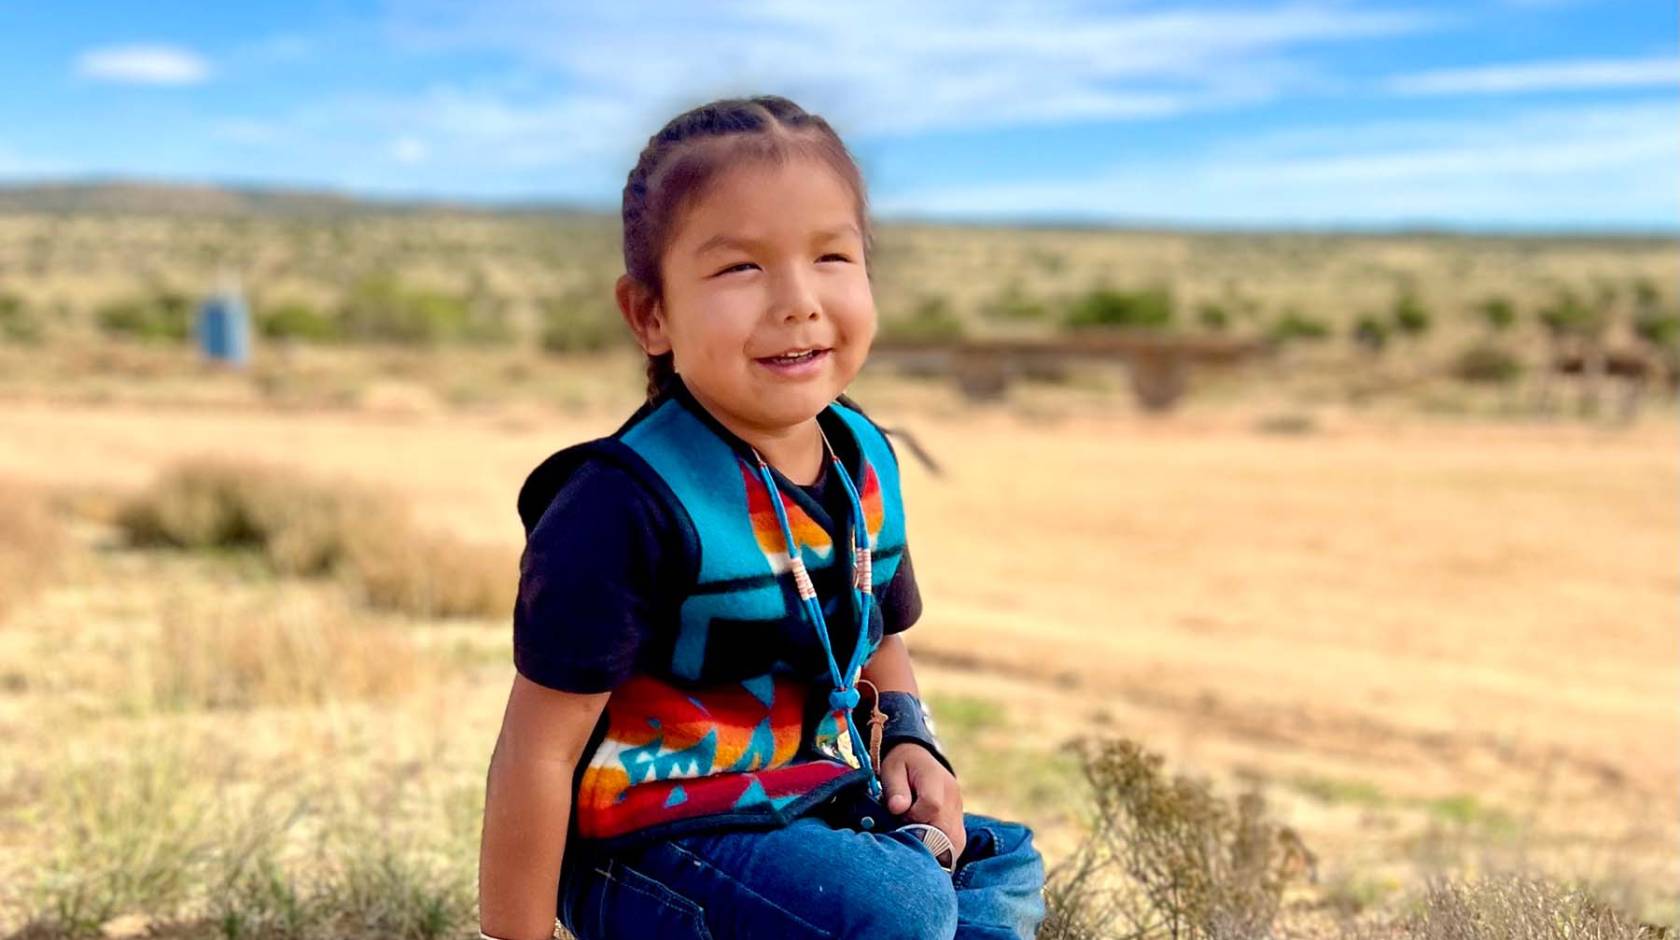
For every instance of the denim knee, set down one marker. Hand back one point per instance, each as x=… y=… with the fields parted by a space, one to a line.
x=915 y=901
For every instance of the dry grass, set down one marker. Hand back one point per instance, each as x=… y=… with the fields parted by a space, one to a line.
x=1519 y=907
x=308 y=527
x=32 y=541
x=1410 y=609
x=274 y=649
x=151 y=847
x=1165 y=857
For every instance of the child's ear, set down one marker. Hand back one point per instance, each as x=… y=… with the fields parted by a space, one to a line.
x=644 y=314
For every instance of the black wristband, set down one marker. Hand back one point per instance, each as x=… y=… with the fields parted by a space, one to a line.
x=907 y=720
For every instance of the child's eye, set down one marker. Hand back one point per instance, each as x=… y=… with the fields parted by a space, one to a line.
x=741 y=264
x=834 y=255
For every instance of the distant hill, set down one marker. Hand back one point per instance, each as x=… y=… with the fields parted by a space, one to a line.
x=149 y=197
x=130 y=196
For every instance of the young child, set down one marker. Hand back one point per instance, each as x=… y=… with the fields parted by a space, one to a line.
x=710 y=599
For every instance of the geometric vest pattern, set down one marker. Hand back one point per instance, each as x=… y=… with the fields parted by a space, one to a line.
x=732 y=728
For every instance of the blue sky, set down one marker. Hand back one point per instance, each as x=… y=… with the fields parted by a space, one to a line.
x=1527 y=114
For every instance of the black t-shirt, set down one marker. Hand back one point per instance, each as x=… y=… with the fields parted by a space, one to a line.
x=593 y=600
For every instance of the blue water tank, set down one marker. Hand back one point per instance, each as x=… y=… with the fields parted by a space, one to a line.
x=224 y=328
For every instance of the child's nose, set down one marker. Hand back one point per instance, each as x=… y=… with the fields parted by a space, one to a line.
x=796 y=299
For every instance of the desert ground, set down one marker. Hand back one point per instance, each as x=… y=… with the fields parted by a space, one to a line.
x=1434 y=643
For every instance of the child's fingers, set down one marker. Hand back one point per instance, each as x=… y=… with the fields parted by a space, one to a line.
x=895 y=786
x=938 y=802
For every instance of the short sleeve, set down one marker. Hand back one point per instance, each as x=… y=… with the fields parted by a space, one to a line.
x=586 y=583
x=901 y=602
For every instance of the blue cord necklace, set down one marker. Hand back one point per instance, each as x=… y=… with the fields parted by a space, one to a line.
x=844 y=696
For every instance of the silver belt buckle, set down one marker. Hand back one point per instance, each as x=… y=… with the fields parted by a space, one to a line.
x=936 y=841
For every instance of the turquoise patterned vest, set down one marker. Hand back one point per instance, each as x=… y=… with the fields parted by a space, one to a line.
x=732 y=726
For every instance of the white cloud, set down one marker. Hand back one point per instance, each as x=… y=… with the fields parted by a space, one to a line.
x=585 y=86
x=1575 y=75
x=143 y=65
x=1610 y=165
x=880 y=67
x=409 y=150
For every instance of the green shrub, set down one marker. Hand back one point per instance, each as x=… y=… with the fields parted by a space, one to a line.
x=1213 y=316
x=1012 y=304
x=1411 y=318
x=161 y=315
x=298 y=320
x=1566 y=315
x=1370 y=333
x=1486 y=363
x=1149 y=307
x=1657 y=327
x=1498 y=313
x=1294 y=325
x=18 y=323
x=381 y=308
x=580 y=323
x=930 y=320
x=1645 y=292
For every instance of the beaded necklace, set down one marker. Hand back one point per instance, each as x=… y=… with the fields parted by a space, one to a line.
x=844 y=696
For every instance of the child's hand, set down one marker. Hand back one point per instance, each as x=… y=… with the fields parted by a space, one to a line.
x=913 y=779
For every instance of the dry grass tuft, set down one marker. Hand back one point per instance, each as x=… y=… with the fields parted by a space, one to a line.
x=32 y=544
x=1519 y=907
x=309 y=527
x=432 y=576
x=1167 y=858
x=152 y=847
x=275 y=650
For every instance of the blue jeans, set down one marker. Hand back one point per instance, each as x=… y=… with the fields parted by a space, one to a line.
x=809 y=880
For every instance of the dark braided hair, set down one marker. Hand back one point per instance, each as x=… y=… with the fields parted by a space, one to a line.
x=691 y=151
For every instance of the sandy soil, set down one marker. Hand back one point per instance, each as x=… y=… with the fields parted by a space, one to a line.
x=1427 y=608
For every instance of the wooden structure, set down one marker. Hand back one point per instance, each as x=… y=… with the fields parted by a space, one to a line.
x=1157 y=363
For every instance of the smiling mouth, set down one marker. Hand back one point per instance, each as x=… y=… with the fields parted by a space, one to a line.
x=794 y=359
x=805 y=365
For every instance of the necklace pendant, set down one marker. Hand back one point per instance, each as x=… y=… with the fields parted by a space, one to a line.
x=862 y=579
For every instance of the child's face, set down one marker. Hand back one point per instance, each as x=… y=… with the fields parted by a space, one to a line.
x=769 y=261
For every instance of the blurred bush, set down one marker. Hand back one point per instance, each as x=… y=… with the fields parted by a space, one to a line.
x=1411 y=318
x=581 y=322
x=1213 y=316
x=18 y=322
x=1485 y=362
x=1013 y=305
x=930 y=320
x=305 y=527
x=380 y=308
x=1293 y=325
x=1148 y=307
x=297 y=320
x=159 y=315
x=1370 y=333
